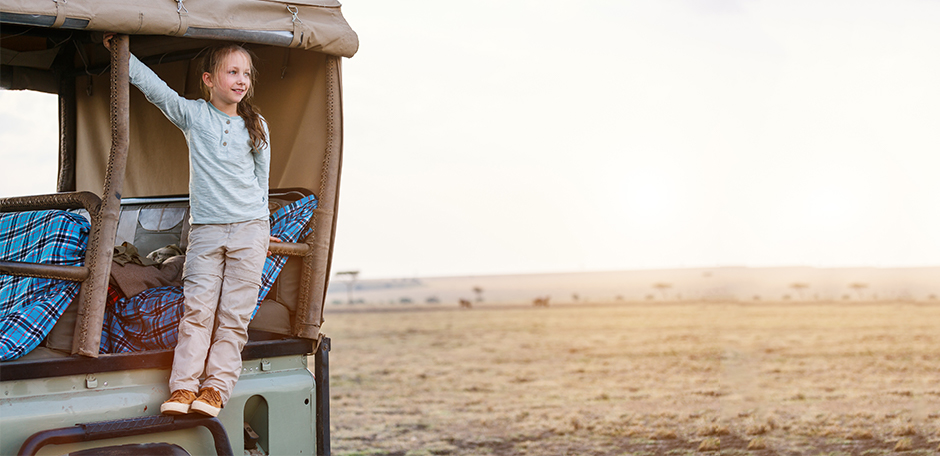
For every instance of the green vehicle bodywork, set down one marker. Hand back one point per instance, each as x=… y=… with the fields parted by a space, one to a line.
x=276 y=396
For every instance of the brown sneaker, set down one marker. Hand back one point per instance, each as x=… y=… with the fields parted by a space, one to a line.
x=178 y=403
x=208 y=403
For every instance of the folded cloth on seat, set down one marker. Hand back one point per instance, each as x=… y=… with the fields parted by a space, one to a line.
x=30 y=306
x=133 y=278
x=127 y=253
x=150 y=320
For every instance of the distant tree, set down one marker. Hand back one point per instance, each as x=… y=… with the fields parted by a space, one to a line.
x=858 y=287
x=479 y=292
x=799 y=287
x=662 y=287
x=350 y=282
x=575 y=297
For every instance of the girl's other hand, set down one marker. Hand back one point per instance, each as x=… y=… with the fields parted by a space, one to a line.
x=273 y=239
x=107 y=40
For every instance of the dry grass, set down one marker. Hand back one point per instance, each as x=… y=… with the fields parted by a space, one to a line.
x=636 y=379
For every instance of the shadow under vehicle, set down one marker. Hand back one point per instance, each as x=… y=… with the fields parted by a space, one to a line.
x=124 y=166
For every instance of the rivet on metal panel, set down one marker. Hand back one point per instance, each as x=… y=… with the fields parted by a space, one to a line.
x=265 y=365
x=91 y=381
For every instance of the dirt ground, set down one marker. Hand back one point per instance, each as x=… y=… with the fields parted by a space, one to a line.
x=636 y=379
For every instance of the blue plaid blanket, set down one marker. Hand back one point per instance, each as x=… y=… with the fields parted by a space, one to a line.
x=149 y=320
x=30 y=306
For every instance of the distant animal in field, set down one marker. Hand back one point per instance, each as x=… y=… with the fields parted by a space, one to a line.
x=465 y=304
x=541 y=301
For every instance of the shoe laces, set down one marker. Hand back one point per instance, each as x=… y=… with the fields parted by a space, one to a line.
x=181 y=396
x=210 y=394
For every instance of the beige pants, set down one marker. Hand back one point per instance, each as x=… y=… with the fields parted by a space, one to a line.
x=221 y=279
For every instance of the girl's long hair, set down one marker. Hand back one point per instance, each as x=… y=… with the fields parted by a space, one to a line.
x=247 y=111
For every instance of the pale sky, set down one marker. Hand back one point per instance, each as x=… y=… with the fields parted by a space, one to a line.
x=545 y=136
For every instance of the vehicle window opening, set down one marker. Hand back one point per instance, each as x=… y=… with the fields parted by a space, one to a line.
x=256 y=424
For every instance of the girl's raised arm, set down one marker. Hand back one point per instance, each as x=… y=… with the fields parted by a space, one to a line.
x=174 y=107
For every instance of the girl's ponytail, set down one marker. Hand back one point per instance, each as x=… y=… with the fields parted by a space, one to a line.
x=253 y=123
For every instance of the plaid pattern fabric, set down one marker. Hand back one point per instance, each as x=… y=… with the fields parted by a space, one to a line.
x=114 y=295
x=289 y=224
x=150 y=320
x=30 y=306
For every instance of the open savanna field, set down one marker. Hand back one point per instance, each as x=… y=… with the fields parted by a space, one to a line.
x=636 y=378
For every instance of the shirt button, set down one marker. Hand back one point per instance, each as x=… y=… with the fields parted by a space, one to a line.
x=225 y=144
x=228 y=121
x=226 y=131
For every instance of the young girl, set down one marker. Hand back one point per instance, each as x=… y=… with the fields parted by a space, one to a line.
x=228 y=186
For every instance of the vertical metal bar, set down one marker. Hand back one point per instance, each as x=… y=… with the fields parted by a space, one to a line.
x=104 y=223
x=321 y=372
x=67 y=121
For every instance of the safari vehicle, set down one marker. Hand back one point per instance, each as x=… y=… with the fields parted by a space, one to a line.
x=124 y=167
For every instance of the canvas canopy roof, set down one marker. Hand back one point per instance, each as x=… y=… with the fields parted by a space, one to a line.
x=309 y=24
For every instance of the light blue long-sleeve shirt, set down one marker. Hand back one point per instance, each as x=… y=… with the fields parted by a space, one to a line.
x=228 y=182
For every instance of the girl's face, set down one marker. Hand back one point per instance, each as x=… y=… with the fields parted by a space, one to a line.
x=230 y=82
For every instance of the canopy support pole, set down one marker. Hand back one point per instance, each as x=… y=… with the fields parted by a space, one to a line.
x=67 y=120
x=94 y=290
x=315 y=275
